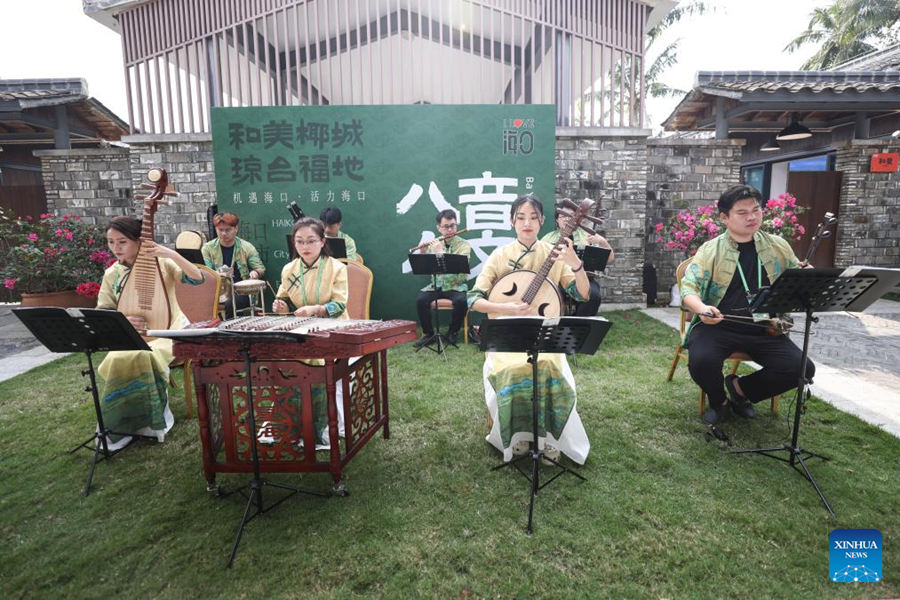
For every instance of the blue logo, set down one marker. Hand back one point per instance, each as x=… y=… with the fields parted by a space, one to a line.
x=854 y=555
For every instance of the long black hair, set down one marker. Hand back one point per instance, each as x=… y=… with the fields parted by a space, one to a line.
x=529 y=199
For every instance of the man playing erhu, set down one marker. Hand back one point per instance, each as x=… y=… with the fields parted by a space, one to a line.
x=716 y=286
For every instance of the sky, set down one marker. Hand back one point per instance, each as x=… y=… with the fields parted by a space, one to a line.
x=55 y=39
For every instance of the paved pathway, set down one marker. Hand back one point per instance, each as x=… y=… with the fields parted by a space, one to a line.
x=857 y=358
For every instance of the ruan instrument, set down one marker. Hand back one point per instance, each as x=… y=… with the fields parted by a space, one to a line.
x=534 y=288
x=144 y=293
x=443 y=238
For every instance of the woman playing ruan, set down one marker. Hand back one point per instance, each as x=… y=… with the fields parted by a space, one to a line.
x=133 y=391
x=316 y=285
x=507 y=375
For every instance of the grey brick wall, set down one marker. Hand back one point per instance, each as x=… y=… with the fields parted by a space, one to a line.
x=868 y=231
x=683 y=173
x=188 y=160
x=92 y=183
x=611 y=170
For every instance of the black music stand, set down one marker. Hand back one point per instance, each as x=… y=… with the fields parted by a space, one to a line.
x=593 y=257
x=815 y=290
x=434 y=265
x=535 y=335
x=255 y=496
x=87 y=330
x=337 y=247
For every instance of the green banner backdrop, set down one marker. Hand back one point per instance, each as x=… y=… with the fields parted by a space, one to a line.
x=389 y=169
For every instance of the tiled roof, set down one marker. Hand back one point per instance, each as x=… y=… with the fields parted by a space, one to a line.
x=887 y=59
x=797 y=81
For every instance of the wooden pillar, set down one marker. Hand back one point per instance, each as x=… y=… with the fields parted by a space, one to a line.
x=61 y=132
x=721 y=120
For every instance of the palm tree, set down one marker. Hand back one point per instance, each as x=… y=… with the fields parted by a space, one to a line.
x=653 y=84
x=847 y=29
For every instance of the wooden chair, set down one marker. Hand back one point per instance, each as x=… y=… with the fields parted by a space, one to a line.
x=198 y=303
x=359 y=289
x=445 y=304
x=735 y=359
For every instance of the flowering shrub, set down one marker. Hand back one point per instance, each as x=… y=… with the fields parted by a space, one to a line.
x=51 y=254
x=691 y=228
x=780 y=217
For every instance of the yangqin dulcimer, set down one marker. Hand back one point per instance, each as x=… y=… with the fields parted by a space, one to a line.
x=298 y=364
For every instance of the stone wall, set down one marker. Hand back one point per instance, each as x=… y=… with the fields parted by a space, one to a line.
x=609 y=168
x=92 y=183
x=188 y=160
x=868 y=231
x=683 y=173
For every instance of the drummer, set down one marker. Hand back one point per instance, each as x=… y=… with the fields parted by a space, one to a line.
x=228 y=251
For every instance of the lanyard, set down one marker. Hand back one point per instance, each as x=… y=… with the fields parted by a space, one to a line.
x=758 y=274
x=320 y=267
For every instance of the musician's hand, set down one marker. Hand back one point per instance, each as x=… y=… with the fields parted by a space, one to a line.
x=138 y=322
x=254 y=274
x=280 y=307
x=157 y=250
x=595 y=239
x=710 y=310
x=516 y=309
x=313 y=310
x=567 y=254
x=804 y=265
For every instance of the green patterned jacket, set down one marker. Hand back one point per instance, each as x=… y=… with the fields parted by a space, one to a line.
x=245 y=257
x=710 y=272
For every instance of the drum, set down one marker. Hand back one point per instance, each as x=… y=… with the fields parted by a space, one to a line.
x=252 y=288
x=188 y=244
x=249 y=287
x=190 y=240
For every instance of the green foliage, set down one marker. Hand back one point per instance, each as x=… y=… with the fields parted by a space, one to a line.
x=663 y=513
x=847 y=29
x=51 y=254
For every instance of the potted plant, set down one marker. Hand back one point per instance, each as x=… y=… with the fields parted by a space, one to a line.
x=52 y=261
x=690 y=228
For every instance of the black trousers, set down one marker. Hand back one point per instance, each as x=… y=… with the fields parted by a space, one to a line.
x=589 y=308
x=423 y=307
x=241 y=301
x=709 y=346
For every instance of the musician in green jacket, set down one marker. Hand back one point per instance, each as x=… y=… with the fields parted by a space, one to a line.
x=582 y=238
x=716 y=287
x=233 y=256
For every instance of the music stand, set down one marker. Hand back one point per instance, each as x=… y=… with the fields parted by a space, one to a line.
x=536 y=335
x=255 y=496
x=337 y=247
x=435 y=264
x=191 y=254
x=814 y=290
x=87 y=330
x=593 y=257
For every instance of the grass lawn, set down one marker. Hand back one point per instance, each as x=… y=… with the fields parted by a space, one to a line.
x=664 y=514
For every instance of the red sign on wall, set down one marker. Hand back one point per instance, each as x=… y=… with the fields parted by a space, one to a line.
x=886 y=162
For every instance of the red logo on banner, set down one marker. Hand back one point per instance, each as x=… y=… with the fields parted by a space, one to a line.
x=885 y=162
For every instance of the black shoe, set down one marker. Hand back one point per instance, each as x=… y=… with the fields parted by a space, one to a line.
x=715 y=415
x=452 y=338
x=423 y=340
x=739 y=404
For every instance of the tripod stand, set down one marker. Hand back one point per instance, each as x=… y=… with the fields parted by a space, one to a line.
x=256 y=485
x=536 y=335
x=87 y=330
x=435 y=264
x=815 y=290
